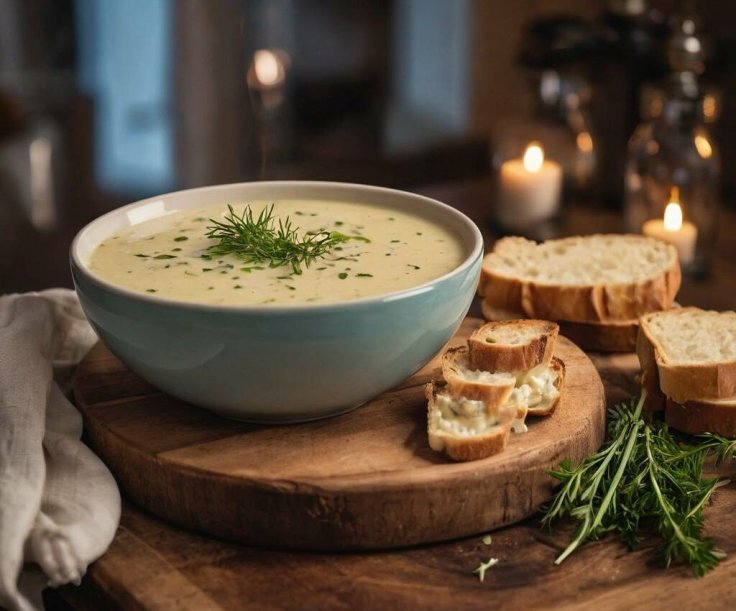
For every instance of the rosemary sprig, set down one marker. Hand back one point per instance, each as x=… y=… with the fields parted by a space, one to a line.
x=642 y=479
x=265 y=239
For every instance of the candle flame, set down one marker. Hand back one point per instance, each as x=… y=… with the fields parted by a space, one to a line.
x=673 y=211
x=533 y=157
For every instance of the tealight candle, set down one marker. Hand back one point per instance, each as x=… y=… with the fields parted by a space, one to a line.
x=672 y=229
x=529 y=188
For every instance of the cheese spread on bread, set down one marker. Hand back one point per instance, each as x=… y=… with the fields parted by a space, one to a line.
x=462 y=416
x=535 y=387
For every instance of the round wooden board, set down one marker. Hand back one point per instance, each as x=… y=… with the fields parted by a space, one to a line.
x=366 y=479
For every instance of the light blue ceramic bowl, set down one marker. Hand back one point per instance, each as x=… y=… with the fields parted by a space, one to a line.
x=277 y=364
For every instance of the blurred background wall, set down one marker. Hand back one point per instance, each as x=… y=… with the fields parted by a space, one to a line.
x=106 y=101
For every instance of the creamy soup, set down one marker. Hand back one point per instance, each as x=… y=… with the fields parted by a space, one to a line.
x=387 y=250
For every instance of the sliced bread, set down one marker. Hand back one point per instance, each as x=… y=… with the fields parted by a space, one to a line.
x=598 y=278
x=613 y=336
x=462 y=428
x=468 y=382
x=689 y=354
x=697 y=417
x=515 y=345
x=539 y=389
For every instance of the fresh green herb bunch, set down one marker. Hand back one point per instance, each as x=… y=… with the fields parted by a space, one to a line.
x=642 y=480
x=263 y=239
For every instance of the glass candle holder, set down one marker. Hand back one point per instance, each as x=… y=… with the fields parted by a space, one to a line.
x=672 y=174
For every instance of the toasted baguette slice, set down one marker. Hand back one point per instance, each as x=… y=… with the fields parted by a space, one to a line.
x=513 y=345
x=464 y=429
x=689 y=353
x=613 y=336
x=539 y=389
x=465 y=381
x=703 y=416
x=598 y=278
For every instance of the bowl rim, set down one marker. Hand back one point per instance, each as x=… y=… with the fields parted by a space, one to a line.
x=475 y=254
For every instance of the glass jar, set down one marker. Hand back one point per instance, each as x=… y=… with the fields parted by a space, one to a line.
x=673 y=158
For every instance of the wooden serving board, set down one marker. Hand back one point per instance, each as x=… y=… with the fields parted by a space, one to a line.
x=366 y=479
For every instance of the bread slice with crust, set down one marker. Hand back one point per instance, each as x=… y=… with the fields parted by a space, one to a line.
x=689 y=354
x=699 y=416
x=462 y=428
x=540 y=389
x=612 y=336
x=598 y=278
x=512 y=345
x=464 y=380
x=467 y=429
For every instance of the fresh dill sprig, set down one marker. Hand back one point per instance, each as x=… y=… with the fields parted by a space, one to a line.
x=642 y=480
x=265 y=239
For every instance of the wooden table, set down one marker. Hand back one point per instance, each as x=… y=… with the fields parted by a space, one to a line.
x=152 y=565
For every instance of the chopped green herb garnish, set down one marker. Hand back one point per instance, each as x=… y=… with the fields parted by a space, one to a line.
x=266 y=239
x=150 y=290
x=391 y=218
x=361 y=238
x=165 y=257
x=141 y=255
x=364 y=275
x=339 y=223
x=188 y=273
x=291 y=288
x=483 y=567
x=342 y=275
x=283 y=277
x=201 y=219
x=419 y=233
x=206 y=269
x=395 y=241
x=176 y=250
x=319 y=269
x=181 y=238
x=246 y=270
x=237 y=286
x=414 y=266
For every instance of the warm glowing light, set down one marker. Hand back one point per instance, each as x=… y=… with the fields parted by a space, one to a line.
x=710 y=106
x=692 y=44
x=673 y=212
x=533 y=158
x=705 y=150
x=585 y=142
x=268 y=67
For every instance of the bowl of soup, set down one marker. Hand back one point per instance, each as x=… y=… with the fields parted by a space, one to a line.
x=277 y=301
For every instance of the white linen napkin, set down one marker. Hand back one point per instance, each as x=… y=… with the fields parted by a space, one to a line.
x=59 y=505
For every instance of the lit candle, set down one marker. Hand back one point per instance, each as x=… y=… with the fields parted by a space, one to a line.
x=529 y=188
x=672 y=229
